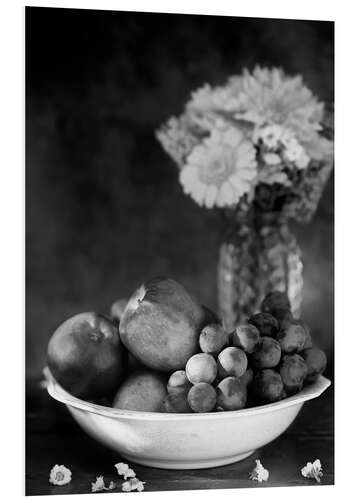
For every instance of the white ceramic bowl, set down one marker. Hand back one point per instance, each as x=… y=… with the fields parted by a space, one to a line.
x=185 y=440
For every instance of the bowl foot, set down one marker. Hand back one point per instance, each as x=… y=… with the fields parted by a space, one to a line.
x=187 y=464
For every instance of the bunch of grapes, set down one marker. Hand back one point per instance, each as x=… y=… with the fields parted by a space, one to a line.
x=265 y=360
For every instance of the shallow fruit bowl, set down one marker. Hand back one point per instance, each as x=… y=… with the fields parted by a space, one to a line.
x=185 y=440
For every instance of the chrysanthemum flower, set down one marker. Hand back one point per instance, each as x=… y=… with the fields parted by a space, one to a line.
x=259 y=473
x=269 y=96
x=60 y=475
x=313 y=470
x=221 y=169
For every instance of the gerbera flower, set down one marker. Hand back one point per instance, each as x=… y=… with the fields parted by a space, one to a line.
x=221 y=169
x=60 y=475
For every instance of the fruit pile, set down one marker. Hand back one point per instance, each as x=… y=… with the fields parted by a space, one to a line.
x=162 y=351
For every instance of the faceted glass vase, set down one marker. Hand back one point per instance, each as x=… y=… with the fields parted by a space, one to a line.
x=256 y=259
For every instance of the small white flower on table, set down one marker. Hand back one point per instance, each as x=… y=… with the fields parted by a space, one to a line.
x=60 y=475
x=124 y=470
x=133 y=484
x=99 y=485
x=313 y=470
x=259 y=473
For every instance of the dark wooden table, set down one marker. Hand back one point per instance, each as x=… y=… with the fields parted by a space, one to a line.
x=52 y=437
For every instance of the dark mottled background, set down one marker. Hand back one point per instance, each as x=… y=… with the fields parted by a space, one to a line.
x=104 y=209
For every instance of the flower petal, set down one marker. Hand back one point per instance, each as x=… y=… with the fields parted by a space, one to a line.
x=211 y=194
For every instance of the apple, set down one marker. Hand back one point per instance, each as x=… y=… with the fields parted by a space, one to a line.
x=86 y=356
x=161 y=325
x=143 y=390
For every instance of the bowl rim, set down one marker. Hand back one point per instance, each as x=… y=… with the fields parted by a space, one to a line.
x=310 y=391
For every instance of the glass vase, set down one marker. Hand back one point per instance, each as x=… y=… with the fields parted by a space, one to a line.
x=260 y=255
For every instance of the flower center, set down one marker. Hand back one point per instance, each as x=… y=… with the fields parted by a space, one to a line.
x=217 y=169
x=59 y=476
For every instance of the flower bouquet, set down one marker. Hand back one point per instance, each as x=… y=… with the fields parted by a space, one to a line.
x=259 y=149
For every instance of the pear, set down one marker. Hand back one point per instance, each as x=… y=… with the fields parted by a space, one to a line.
x=161 y=325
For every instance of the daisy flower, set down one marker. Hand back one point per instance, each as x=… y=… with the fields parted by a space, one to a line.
x=313 y=470
x=60 y=475
x=221 y=169
x=259 y=473
x=293 y=150
x=272 y=159
x=270 y=135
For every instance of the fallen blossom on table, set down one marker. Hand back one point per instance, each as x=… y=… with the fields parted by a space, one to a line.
x=99 y=485
x=313 y=470
x=259 y=473
x=60 y=475
x=132 y=485
x=124 y=470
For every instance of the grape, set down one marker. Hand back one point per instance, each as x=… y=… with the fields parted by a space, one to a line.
x=276 y=303
x=268 y=386
x=178 y=383
x=308 y=341
x=202 y=397
x=293 y=371
x=177 y=403
x=292 y=337
x=267 y=354
x=267 y=324
x=247 y=377
x=246 y=337
x=231 y=394
x=201 y=367
x=285 y=319
x=213 y=339
x=232 y=361
x=316 y=361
